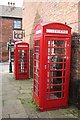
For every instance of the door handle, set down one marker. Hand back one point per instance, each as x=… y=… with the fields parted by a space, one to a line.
x=45 y=67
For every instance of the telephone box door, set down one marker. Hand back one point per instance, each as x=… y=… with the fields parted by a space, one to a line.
x=23 y=62
x=57 y=62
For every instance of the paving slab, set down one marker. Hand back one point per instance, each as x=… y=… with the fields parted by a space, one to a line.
x=5 y=116
x=9 y=109
x=19 y=115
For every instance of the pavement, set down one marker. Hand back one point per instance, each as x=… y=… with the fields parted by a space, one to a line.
x=17 y=100
x=4 y=67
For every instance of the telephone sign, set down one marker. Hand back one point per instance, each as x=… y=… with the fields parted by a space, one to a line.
x=57 y=31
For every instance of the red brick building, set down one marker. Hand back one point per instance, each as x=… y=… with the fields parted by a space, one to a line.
x=10 y=18
x=63 y=12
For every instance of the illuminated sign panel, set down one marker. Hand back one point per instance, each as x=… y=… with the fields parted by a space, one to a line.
x=22 y=46
x=56 y=31
x=38 y=31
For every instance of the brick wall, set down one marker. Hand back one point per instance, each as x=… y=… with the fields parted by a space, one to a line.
x=75 y=57
x=75 y=70
x=37 y=12
x=79 y=17
x=0 y=39
x=7 y=27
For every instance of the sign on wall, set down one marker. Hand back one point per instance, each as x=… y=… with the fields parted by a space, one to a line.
x=18 y=35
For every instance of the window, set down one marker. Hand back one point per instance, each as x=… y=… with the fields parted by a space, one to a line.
x=17 y=24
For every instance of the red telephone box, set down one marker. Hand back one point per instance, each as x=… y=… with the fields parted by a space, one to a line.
x=21 y=60
x=52 y=48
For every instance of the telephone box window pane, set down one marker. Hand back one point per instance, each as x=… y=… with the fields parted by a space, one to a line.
x=55 y=73
x=48 y=43
x=37 y=71
x=49 y=58
x=55 y=95
x=36 y=91
x=52 y=43
x=56 y=88
x=36 y=84
x=22 y=70
x=52 y=66
x=53 y=58
x=37 y=43
x=55 y=66
x=56 y=58
x=48 y=51
x=22 y=52
x=37 y=50
x=57 y=81
x=58 y=73
x=52 y=51
x=37 y=56
x=51 y=96
x=59 y=43
x=37 y=67
x=58 y=51
x=50 y=74
x=51 y=81
x=65 y=66
x=37 y=78
x=22 y=60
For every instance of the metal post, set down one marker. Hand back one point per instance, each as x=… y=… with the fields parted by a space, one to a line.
x=10 y=62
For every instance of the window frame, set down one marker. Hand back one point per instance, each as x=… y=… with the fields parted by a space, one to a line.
x=15 y=26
